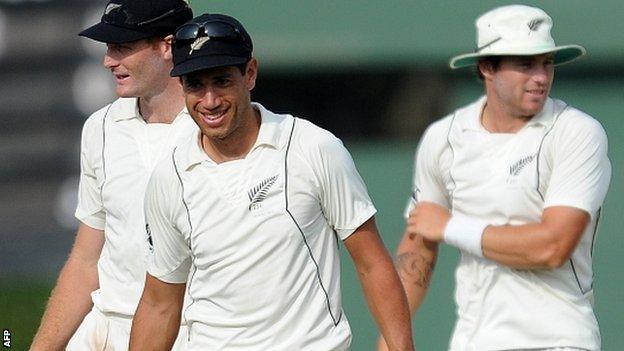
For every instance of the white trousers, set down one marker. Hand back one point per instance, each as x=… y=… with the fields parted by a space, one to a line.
x=104 y=332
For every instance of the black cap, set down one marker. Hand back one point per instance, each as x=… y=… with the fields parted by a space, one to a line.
x=130 y=20
x=210 y=41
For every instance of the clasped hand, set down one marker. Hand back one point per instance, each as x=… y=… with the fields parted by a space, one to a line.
x=428 y=220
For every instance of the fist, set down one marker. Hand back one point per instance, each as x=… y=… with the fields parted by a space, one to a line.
x=428 y=220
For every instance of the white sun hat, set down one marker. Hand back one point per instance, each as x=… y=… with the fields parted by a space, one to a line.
x=516 y=30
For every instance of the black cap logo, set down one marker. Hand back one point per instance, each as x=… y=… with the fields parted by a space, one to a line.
x=198 y=43
x=111 y=7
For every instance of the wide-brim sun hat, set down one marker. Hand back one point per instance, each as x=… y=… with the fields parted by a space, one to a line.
x=516 y=30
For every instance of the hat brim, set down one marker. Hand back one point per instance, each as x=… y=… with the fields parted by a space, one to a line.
x=111 y=34
x=563 y=54
x=201 y=63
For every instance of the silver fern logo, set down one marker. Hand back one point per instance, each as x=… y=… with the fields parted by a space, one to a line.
x=535 y=24
x=198 y=43
x=150 y=243
x=517 y=167
x=111 y=7
x=258 y=193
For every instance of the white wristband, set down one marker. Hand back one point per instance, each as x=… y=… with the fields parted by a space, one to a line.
x=465 y=233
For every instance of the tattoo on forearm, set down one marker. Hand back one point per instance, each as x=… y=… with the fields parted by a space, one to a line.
x=415 y=267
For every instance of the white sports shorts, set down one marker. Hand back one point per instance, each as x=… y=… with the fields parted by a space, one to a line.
x=104 y=332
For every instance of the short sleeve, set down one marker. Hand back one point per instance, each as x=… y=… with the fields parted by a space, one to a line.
x=428 y=184
x=169 y=259
x=581 y=170
x=90 y=209
x=344 y=197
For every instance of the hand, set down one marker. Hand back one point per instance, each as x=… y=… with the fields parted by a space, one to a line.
x=428 y=220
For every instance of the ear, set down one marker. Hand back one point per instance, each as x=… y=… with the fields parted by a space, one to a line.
x=486 y=68
x=167 y=43
x=251 y=73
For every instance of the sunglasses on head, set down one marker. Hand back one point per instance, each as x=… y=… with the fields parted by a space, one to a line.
x=213 y=29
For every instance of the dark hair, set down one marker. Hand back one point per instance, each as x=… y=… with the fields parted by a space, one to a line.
x=494 y=61
x=243 y=67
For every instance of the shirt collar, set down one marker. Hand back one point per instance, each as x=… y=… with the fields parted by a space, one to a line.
x=270 y=132
x=546 y=116
x=268 y=135
x=193 y=152
x=473 y=111
x=126 y=108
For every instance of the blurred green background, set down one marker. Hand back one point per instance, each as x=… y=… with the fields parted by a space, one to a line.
x=372 y=72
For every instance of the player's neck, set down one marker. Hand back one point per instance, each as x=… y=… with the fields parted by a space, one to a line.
x=496 y=118
x=164 y=106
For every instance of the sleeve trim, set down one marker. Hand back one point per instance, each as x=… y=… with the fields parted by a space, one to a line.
x=93 y=221
x=177 y=275
x=344 y=233
x=571 y=203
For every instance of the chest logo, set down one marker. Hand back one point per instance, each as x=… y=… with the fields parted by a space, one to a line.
x=519 y=165
x=259 y=192
x=150 y=243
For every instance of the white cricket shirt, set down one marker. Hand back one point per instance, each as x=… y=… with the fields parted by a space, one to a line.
x=119 y=150
x=558 y=159
x=260 y=236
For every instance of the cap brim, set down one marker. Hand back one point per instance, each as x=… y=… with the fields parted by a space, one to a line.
x=108 y=33
x=206 y=62
x=563 y=54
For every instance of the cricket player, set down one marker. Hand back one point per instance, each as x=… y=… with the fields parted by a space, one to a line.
x=515 y=181
x=255 y=207
x=99 y=287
